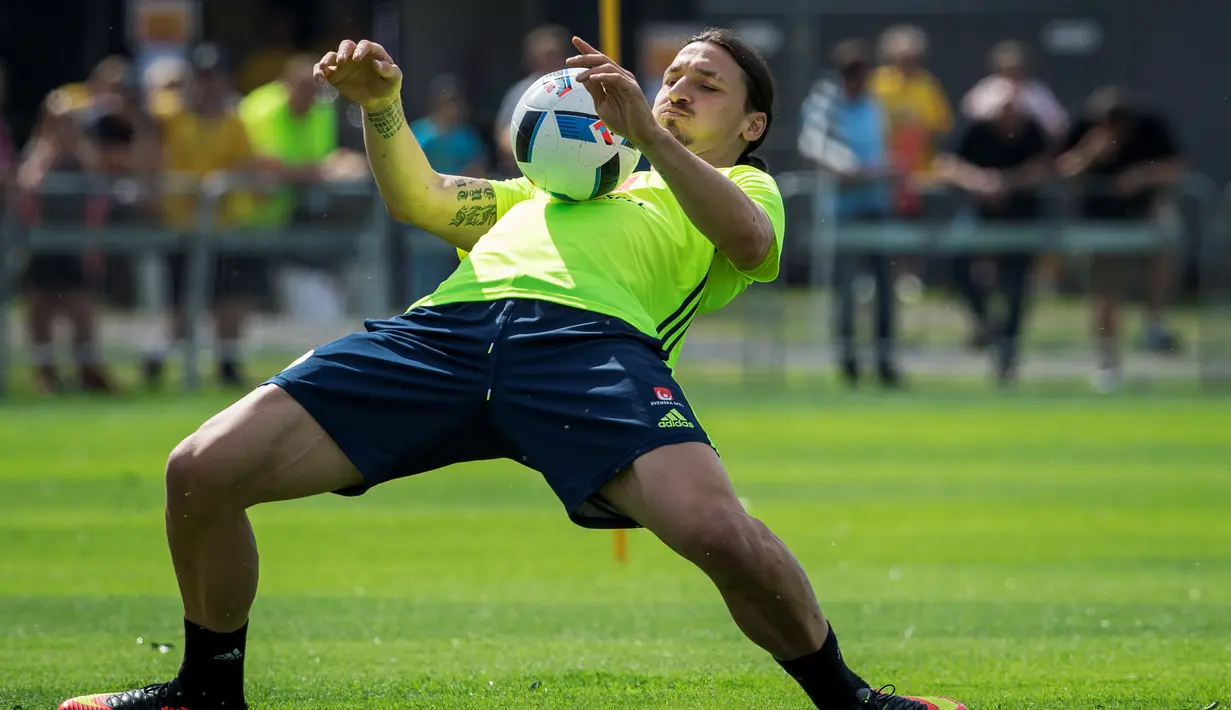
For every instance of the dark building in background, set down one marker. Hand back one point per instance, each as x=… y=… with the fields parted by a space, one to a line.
x=1164 y=50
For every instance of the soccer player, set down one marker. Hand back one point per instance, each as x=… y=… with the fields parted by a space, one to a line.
x=552 y=344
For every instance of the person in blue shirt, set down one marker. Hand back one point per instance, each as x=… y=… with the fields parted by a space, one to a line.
x=863 y=195
x=452 y=146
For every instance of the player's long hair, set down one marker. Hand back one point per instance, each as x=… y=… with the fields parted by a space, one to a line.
x=758 y=80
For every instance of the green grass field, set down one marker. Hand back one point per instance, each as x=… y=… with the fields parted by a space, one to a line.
x=1043 y=549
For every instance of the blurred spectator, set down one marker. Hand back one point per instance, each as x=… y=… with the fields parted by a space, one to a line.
x=125 y=140
x=291 y=128
x=203 y=143
x=56 y=283
x=1130 y=156
x=268 y=62
x=166 y=79
x=105 y=78
x=119 y=129
x=918 y=110
x=1001 y=159
x=544 y=50
x=1010 y=61
x=452 y=146
x=863 y=196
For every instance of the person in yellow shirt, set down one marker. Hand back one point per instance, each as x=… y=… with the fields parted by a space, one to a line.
x=201 y=141
x=916 y=108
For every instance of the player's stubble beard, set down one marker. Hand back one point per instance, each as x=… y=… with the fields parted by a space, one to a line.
x=673 y=127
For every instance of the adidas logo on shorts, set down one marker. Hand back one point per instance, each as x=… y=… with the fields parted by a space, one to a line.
x=673 y=419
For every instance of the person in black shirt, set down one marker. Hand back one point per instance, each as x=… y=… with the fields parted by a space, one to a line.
x=1000 y=158
x=1130 y=156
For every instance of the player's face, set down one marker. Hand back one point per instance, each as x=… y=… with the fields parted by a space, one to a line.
x=703 y=102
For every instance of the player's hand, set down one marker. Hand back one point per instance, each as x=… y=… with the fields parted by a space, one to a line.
x=618 y=97
x=363 y=73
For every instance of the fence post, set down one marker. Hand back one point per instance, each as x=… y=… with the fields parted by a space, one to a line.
x=198 y=280
x=374 y=258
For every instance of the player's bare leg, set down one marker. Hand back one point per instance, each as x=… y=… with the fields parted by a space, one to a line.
x=682 y=494
x=263 y=448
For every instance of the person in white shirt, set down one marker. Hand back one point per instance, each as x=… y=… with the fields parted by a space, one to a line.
x=1009 y=60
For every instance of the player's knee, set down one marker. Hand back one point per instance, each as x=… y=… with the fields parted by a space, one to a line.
x=720 y=541
x=195 y=479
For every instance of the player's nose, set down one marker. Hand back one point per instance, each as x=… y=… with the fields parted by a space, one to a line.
x=679 y=96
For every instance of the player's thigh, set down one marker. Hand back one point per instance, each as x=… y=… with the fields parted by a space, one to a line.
x=682 y=494
x=265 y=447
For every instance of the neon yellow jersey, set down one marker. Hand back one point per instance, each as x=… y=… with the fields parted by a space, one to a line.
x=632 y=254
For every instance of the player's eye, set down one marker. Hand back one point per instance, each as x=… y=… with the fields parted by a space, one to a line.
x=707 y=87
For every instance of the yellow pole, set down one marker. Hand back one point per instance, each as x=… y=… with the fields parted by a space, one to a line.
x=609 y=44
x=609 y=28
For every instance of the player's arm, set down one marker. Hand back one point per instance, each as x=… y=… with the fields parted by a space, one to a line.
x=724 y=213
x=457 y=209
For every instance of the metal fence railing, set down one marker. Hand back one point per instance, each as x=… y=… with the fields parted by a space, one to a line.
x=770 y=331
x=345 y=222
x=782 y=331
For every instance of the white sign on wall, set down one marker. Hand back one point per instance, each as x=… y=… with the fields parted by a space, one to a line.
x=1074 y=36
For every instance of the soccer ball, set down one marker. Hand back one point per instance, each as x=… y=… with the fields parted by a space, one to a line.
x=561 y=145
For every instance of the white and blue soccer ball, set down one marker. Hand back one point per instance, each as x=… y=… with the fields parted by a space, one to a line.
x=562 y=146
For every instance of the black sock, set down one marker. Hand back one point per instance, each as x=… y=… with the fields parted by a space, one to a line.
x=824 y=676
x=214 y=663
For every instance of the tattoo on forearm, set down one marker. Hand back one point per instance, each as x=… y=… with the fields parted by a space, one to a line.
x=474 y=216
x=388 y=121
x=475 y=194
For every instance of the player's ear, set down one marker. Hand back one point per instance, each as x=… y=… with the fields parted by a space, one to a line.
x=754 y=126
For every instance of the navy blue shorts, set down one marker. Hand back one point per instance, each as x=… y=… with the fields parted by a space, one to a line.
x=574 y=395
